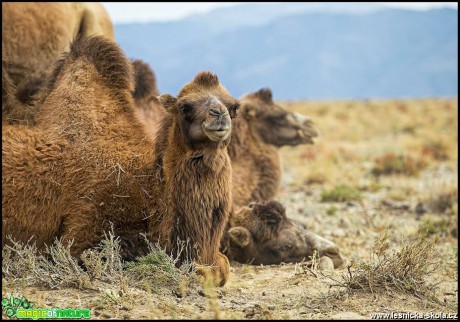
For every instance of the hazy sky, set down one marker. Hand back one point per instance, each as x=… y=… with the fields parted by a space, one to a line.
x=123 y=12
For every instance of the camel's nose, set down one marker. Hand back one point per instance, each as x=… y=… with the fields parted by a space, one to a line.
x=215 y=106
x=325 y=247
x=334 y=254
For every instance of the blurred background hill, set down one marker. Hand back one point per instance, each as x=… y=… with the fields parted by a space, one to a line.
x=305 y=50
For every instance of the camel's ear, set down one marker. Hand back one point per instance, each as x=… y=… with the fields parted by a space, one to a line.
x=168 y=101
x=240 y=236
x=206 y=79
x=272 y=214
x=146 y=83
x=248 y=111
x=265 y=94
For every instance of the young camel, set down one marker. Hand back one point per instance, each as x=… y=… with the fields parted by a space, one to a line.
x=260 y=233
x=88 y=164
x=34 y=35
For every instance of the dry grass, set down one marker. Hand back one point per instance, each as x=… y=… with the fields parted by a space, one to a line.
x=405 y=270
x=391 y=163
x=341 y=193
x=443 y=227
x=56 y=268
x=158 y=270
x=421 y=131
x=444 y=200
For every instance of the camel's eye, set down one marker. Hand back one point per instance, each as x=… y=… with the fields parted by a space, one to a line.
x=185 y=107
x=277 y=118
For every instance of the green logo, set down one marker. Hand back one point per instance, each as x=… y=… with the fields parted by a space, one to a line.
x=22 y=309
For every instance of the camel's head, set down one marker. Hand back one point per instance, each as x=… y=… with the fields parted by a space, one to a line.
x=262 y=234
x=274 y=124
x=205 y=109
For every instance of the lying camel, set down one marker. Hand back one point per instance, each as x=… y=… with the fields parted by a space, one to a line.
x=261 y=129
x=261 y=233
x=34 y=35
x=87 y=165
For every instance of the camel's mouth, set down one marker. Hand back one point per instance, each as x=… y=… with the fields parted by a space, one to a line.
x=325 y=248
x=216 y=133
x=307 y=130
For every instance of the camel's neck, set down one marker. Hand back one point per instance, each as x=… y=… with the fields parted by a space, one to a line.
x=239 y=141
x=198 y=193
x=263 y=159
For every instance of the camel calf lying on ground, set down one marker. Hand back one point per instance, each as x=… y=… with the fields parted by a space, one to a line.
x=34 y=35
x=261 y=233
x=88 y=163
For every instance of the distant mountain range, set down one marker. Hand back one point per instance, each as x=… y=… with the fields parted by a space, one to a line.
x=321 y=51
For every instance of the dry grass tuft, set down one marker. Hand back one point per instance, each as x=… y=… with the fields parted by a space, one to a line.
x=158 y=269
x=56 y=268
x=391 y=163
x=444 y=200
x=341 y=193
x=104 y=261
x=440 y=226
x=53 y=268
x=437 y=149
x=404 y=270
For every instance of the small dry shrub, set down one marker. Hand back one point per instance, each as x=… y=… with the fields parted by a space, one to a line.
x=56 y=267
x=158 y=269
x=53 y=268
x=315 y=178
x=444 y=200
x=440 y=226
x=104 y=261
x=391 y=163
x=437 y=149
x=404 y=270
x=341 y=193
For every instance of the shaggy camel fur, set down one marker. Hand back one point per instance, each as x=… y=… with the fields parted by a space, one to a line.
x=88 y=165
x=145 y=94
x=34 y=35
x=262 y=234
x=13 y=111
x=261 y=129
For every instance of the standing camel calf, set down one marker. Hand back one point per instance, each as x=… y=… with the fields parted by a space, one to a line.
x=88 y=163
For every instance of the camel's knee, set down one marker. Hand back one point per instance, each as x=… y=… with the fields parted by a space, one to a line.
x=216 y=274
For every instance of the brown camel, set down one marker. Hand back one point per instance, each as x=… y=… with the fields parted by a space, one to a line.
x=88 y=164
x=34 y=35
x=261 y=233
x=261 y=129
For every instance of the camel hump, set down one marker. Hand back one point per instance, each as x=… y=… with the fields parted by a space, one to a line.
x=265 y=94
x=206 y=79
x=108 y=59
x=146 y=83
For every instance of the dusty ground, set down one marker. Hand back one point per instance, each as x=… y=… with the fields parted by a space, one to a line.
x=355 y=136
